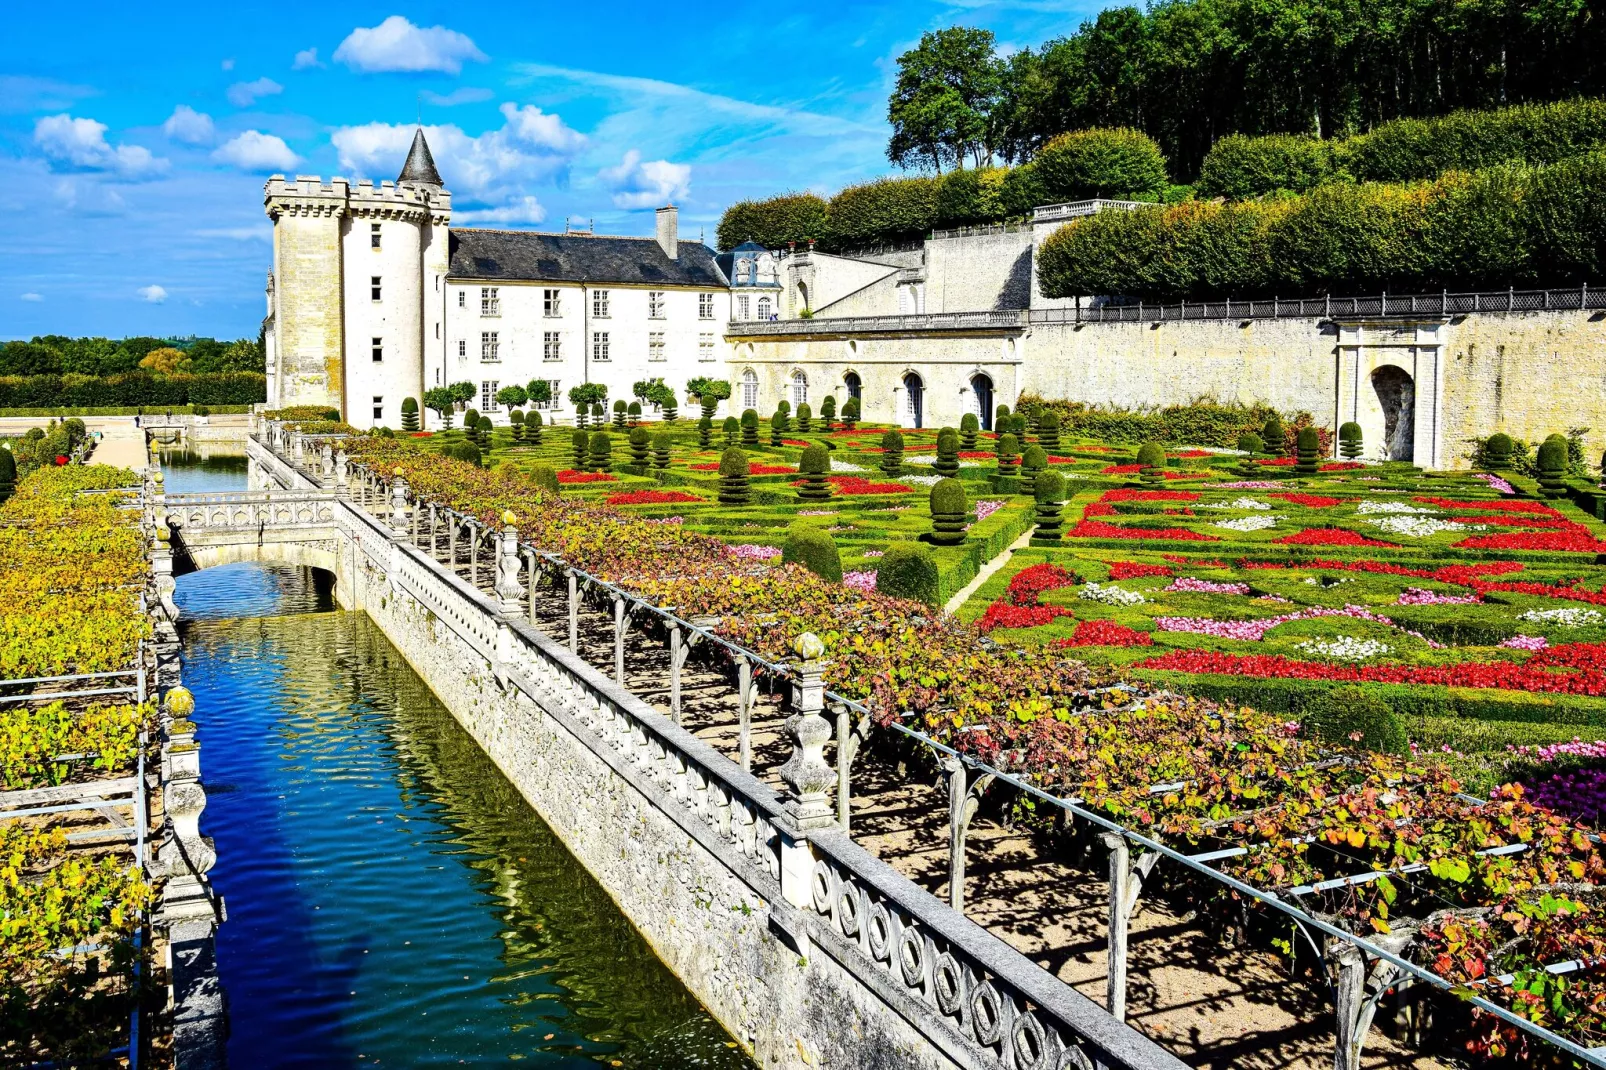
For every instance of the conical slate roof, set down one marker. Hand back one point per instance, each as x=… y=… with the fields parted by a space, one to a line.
x=420 y=166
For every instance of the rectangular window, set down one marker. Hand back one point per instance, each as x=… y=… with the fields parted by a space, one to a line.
x=379 y=350
x=379 y=408
x=488 y=389
x=462 y=348
x=744 y=307
x=373 y=235
x=551 y=306
x=599 y=346
x=462 y=299
x=551 y=345
x=655 y=345
x=490 y=348
x=705 y=306
x=490 y=301
x=656 y=304
x=705 y=347
x=373 y=287
x=599 y=303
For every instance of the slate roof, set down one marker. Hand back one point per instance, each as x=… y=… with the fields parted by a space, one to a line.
x=529 y=256
x=420 y=166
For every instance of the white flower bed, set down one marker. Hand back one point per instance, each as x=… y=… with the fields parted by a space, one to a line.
x=1242 y=503
x=1248 y=523
x=1397 y=508
x=1111 y=595
x=1345 y=648
x=1574 y=617
x=1418 y=527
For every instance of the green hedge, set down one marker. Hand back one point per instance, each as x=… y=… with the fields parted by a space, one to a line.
x=886 y=210
x=1204 y=422
x=1504 y=226
x=791 y=217
x=1099 y=163
x=970 y=196
x=81 y=391
x=1238 y=166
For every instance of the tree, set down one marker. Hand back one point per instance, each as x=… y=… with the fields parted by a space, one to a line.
x=708 y=393
x=665 y=398
x=462 y=392
x=511 y=397
x=164 y=361
x=439 y=399
x=538 y=392
x=942 y=104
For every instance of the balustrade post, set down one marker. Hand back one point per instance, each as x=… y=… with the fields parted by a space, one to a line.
x=398 y=504
x=1120 y=882
x=183 y=855
x=574 y=613
x=473 y=553
x=531 y=561
x=674 y=670
x=806 y=774
x=451 y=543
x=434 y=519
x=958 y=793
x=744 y=677
x=619 y=640
x=326 y=461
x=846 y=750
x=508 y=588
x=342 y=475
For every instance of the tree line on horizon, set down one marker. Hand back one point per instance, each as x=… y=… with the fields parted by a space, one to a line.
x=55 y=354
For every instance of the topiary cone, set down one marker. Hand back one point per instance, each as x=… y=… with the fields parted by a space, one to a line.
x=620 y=410
x=1249 y=444
x=1049 y=491
x=705 y=433
x=1349 y=441
x=1498 y=450
x=579 y=443
x=1008 y=462
x=601 y=451
x=750 y=427
x=948 y=509
x=1272 y=435
x=532 y=428
x=1032 y=462
x=733 y=430
x=805 y=417
x=969 y=428
x=660 y=450
x=1151 y=455
x=1307 y=448
x=639 y=442
x=1553 y=466
x=777 y=428
x=892 y=452
x=947 y=464
x=815 y=466
x=1048 y=430
x=515 y=420
x=734 y=488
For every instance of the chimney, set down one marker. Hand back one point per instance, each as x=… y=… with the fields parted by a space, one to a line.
x=669 y=231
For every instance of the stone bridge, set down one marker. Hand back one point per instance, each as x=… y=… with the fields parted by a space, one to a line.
x=811 y=951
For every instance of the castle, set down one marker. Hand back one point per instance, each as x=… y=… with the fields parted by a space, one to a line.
x=374 y=298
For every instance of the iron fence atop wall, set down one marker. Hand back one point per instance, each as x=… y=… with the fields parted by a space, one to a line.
x=1008 y=319
x=1442 y=303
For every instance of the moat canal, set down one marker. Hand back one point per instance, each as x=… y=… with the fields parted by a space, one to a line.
x=392 y=900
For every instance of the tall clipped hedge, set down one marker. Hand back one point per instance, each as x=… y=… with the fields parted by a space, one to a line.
x=1238 y=166
x=1099 y=163
x=972 y=195
x=886 y=210
x=791 y=217
x=1512 y=225
x=86 y=391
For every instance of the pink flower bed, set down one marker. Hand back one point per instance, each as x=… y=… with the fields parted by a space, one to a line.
x=755 y=552
x=1255 y=630
x=859 y=579
x=985 y=509
x=1246 y=484
x=1526 y=642
x=1188 y=585
x=1418 y=596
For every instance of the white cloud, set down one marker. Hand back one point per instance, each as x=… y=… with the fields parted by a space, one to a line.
x=305 y=59
x=86 y=196
x=262 y=233
x=465 y=95
x=80 y=145
x=32 y=297
x=189 y=126
x=525 y=209
x=245 y=94
x=256 y=151
x=492 y=169
x=397 y=45
x=637 y=184
x=153 y=294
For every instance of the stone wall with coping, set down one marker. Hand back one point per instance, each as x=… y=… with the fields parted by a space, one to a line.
x=981 y=271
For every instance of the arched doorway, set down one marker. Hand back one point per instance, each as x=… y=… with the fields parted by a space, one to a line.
x=981 y=389
x=914 y=401
x=852 y=384
x=1396 y=396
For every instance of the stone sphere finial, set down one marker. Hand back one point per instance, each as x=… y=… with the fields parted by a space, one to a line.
x=180 y=702
x=808 y=646
x=400 y=470
x=508 y=517
x=158 y=478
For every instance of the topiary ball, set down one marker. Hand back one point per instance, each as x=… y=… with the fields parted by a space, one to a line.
x=1033 y=461
x=969 y=429
x=1498 y=450
x=813 y=548
x=1250 y=443
x=1349 y=440
x=1553 y=466
x=908 y=570
x=601 y=451
x=734 y=487
x=1272 y=435
x=948 y=509
x=1049 y=492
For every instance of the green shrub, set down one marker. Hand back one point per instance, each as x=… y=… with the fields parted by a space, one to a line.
x=969 y=429
x=813 y=548
x=1308 y=457
x=947 y=462
x=471 y=420
x=805 y=417
x=661 y=444
x=1048 y=430
x=705 y=433
x=597 y=414
x=777 y=428
x=814 y=467
x=467 y=452
x=532 y=428
x=1099 y=163
x=971 y=195
x=850 y=412
x=515 y=423
x=1020 y=191
x=1239 y=167
x=1553 y=466
x=750 y=428
x=734 y=486
x=1032 y=462
x=791 y=217
x=634 y=412
x=733 y=431
x=1049 y=491
x=581 y=417
x=828 y=411
x=1349 y=440
x=545 y=477
x=639 y=443
x=409 y=413
x=1250 y=443
x=885 y=210
x=948 y=510
x=1000 y=414
x=1008 y=454
x=8 y=474
x=1355 y=717
x=1151 y=455
x=908 y=570
x=482 y=433
x=601 y=452
x=580 y=443
x=1497 y=450
x=1273 y=436
x=892 y=452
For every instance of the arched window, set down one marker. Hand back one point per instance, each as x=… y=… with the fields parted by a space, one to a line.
x=800 y=389
x=914 y=391
x=749 y=389
x=852 y=384
x=763 y=308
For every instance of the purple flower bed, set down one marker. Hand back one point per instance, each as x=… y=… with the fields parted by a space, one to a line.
x=1580 y=795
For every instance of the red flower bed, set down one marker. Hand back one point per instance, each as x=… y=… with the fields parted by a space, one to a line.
x=860 y=485
x=1340 y=466
x=1584 y=662
x=421 y=434
x=1542 y=590
x=1098 y=509
x=1309 y=501
x=1098 y=529
x=570 y=475
x=1462 y=574
x=1188 y=454
x=1029 y=583
x=975 y=455
x=753 y=469
x=1103 y=633
x=1574 y=538
x=1126 y=494
x=1004 y=615
x=1131 y=570
x=796 y=442
x=1499 y=505
x=1330 y=537
x=651 y=497
x=1277 y=462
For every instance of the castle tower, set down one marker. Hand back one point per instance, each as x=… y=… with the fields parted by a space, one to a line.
x=358 y=295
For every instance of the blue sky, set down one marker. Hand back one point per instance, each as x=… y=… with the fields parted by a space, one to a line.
x=134 y=140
